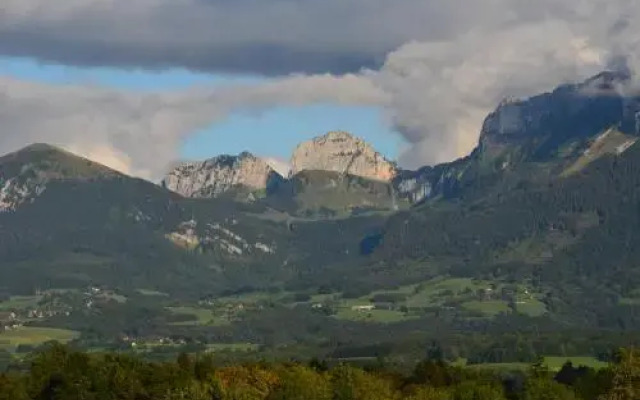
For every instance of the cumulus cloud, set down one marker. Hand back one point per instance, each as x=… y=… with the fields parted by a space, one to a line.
x=139 y=133
x=441 y=92
x=436 y=67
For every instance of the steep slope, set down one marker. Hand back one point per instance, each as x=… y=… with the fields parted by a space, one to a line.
x=342 y=153
x=329 y=194
x=533 y=139
x=549 y=196
x=70 y=223
x=243 y=174
x=24 y=175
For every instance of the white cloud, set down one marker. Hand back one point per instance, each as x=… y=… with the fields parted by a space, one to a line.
x=140 y=133
x=454 y=60
x=280 y=166
x=441 y=92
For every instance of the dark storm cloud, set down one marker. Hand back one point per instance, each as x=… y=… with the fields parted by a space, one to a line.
x=246 y=36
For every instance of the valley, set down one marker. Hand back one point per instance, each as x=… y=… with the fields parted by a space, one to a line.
x=524 y=248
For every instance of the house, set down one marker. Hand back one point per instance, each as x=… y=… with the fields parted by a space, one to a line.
x=7 y=319
x=369 y=307
x=8 y=316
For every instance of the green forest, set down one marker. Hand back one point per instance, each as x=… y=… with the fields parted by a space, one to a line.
x=61 y=373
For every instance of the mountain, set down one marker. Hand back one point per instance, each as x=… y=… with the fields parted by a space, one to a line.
x=24 y=175
x=549 y=196
x=342 y=153
x=213 y=177
x=536 y=138
x=334 y=175
x=534 y=232
x=329 y=194
x=69 y=222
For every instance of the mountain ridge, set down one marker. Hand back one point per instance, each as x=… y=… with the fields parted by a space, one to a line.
x=534 y=231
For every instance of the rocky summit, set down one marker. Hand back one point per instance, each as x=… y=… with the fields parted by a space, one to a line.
x=218 y=175
x=343 y=153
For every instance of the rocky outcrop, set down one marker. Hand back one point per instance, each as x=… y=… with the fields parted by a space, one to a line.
x=218 y=175
x=537 y=127
x=343 y=153
x=415 y=186
x=25 y=174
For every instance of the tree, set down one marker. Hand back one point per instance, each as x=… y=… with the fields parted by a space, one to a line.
x=429 y=393
x=245 y=382
x=539 y=388
x=568 y=374
x=433 y=373
x=302 y=383
x=13 y=388
x=354 y=384
x=626 y=377
x=474 y=390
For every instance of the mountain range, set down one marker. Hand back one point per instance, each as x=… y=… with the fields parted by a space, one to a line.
x=547 y=204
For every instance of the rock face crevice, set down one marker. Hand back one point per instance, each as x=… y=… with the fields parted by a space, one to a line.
x=215 y=176
x=343 y=153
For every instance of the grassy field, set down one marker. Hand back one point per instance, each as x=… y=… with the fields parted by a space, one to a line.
x=148 y=292
x=203 y=316
x=20 y=303
x=379 y=316
x=251 y=298
x=556 y=363
x=34 y=336
x=490 y=307
x=531 y=307
x=239 y=347
x=502 y=366
x=462 y=293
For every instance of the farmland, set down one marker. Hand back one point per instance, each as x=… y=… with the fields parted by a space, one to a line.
x=34 y=336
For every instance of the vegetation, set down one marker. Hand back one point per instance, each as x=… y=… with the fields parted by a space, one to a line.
x=525 y=249
x=33 y=336
x=60 y=373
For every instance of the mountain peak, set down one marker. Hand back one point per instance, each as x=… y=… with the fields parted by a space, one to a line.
x=39 y=147
x=52 y=161
x=537 y=127
x=26 y=173
x=212 y=177
x=341 y=152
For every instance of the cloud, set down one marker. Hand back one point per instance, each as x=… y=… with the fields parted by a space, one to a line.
x=441 y=92
x=282 y=167
x=255 y=36
x=436 y=67
x=140 y=133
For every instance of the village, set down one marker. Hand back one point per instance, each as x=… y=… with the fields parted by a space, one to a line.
x=17 y=311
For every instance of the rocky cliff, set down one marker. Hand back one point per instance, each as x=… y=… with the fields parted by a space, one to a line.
x=343 y=153
x=537 y=128
x=220 y=174
x=550 y=134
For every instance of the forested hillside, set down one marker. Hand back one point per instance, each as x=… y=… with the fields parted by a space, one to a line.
x=524 y=248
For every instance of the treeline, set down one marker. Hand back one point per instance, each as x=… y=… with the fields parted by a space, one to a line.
x=60 y=373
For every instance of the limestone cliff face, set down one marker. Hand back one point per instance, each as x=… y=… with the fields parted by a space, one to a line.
x=218 y=175
x=535 y=128
x=343 y=153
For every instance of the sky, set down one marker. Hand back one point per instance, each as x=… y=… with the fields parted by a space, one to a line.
x=272 y=133
x=140 y=84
